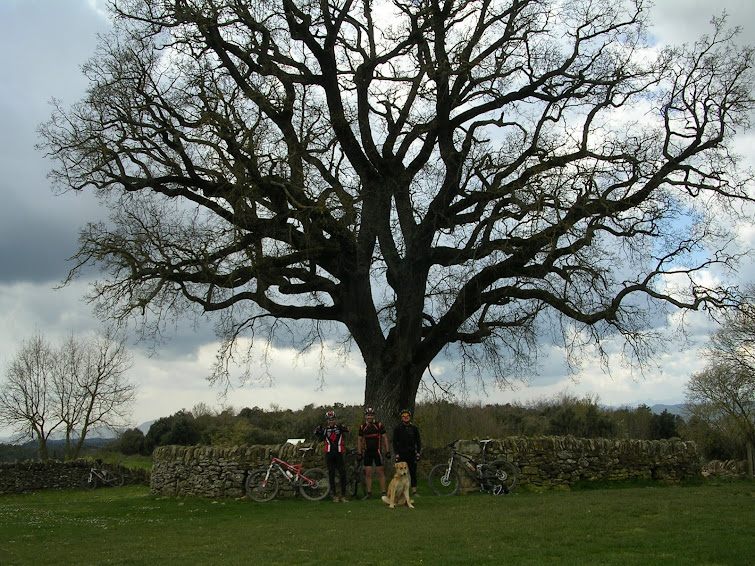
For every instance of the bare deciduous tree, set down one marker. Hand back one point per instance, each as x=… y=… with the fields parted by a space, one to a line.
x=723 y=394
x=26 y=402
x=78 y=386
x=458 y=176
x=91 y=387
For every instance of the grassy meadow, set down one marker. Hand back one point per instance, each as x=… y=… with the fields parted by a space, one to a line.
x=708 y=524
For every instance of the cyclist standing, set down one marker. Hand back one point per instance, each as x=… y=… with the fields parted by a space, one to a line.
x=407 y=445
x=334 y=445
x=372 y=437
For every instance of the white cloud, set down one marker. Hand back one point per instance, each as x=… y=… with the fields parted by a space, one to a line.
x=288 y=381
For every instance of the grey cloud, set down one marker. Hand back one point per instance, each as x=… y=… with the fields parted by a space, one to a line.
x=45 y=42
x=684 y=21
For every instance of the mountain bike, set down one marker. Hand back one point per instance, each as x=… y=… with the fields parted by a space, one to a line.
x=101 y=476
x=262 y=485
x=497 y=477
x=355 y=475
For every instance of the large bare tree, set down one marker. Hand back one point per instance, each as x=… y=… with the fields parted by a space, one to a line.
x=413 y=177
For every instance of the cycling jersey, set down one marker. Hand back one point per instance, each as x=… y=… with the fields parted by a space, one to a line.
x=371 y=433
x=333 y=435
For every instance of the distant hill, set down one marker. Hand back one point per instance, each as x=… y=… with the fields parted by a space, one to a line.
x=94 y=435
x=673 y=409
x=55 y=448
x=144 y=427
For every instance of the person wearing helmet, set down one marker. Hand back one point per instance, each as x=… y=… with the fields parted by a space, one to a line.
x=407 y=445
x=333 y=434
x=372 y=437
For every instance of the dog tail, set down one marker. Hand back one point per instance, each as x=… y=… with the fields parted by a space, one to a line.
x=386 y=500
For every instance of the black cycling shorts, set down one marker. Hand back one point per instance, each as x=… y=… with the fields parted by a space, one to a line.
x=373 y=459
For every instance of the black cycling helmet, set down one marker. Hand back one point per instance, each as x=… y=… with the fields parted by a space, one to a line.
x=330 y=415
x=405 y=412
x=369 y=411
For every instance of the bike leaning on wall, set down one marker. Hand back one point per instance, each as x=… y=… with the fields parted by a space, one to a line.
x=262 y=485
x=101 y=476
x=497 y=477
x=355 y=475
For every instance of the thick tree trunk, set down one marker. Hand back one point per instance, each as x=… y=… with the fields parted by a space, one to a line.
x=390 y=388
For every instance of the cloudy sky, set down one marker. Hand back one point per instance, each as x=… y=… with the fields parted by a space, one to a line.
x=42 y=45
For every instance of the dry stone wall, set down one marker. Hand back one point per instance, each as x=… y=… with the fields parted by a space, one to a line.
x=21 y=477
x=217 y=471
x=560 y=462
x=543 y=463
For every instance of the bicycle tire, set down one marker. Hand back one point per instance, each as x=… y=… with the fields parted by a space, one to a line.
x=352 y=485
x=362 y=480
x=320 y=489
x=444 y=482
x=255 y=489
x=500 y=477
x=88 y=481
x=114 y=479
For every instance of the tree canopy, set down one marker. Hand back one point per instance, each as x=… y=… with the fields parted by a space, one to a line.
x=412 y=177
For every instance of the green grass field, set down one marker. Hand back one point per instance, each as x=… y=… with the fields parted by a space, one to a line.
x=711 y=524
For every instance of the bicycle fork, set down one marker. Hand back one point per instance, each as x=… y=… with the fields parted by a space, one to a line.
x=267 y=476
x=447 y=475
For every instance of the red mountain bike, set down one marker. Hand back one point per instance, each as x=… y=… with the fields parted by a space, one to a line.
x=262 y=485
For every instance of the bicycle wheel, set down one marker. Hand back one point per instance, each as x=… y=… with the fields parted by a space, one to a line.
x=320 y=488
x=500 y=477
x=114 y=479
x=361 y=481
x=352 y=481
x=88 y=481
x=444 y=481
x=257 y=489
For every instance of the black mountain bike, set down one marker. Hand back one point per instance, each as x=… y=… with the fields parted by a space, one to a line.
x=497 y=477
x=355 y=475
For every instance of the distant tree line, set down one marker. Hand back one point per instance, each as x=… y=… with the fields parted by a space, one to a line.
x=440 y=423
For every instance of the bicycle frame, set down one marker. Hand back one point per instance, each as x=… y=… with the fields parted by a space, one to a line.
x=103 y=475
x=290 y=472
x=262 y=485
x=98 y=474
x=468 y=464
x=355 y=474
x=294 y=474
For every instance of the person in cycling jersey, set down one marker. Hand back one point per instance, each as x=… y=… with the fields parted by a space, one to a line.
x=370 y=442
x=333 y=434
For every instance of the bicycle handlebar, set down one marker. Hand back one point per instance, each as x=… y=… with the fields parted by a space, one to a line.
x=485 y=442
